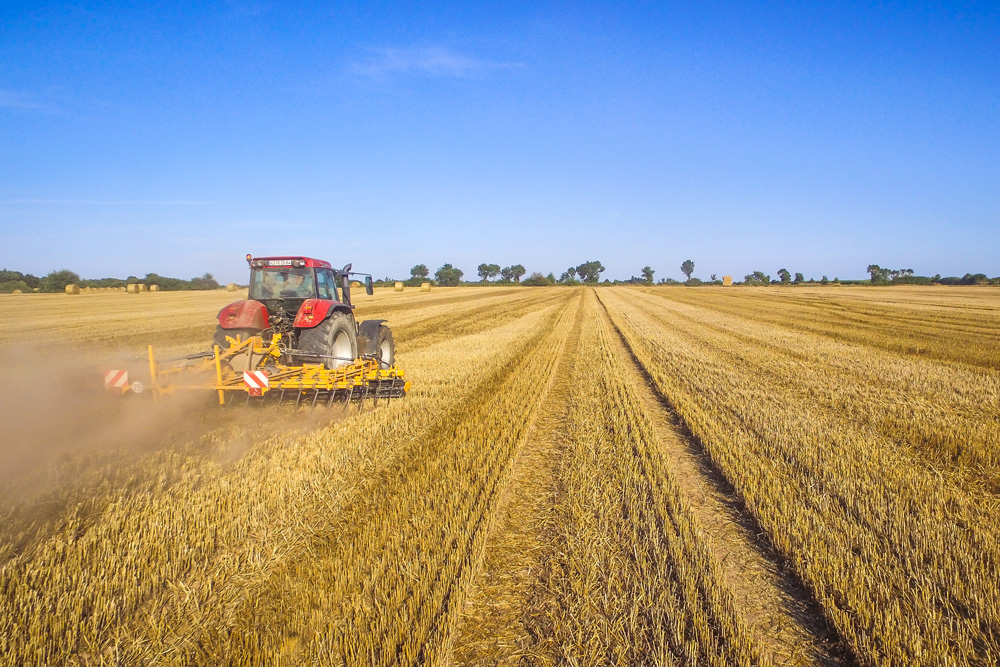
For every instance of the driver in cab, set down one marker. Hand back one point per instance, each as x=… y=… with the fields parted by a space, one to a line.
x=295 y=287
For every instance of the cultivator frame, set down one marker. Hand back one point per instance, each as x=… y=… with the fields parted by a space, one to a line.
x=260 y=372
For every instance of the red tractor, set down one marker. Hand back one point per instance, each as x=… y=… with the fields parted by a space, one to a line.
x=308 y=302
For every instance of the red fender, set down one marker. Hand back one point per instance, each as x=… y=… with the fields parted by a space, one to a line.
x=243 y=315
x=312 y=312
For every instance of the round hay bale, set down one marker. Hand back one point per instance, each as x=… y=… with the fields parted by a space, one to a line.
x=355 y=283
x=142 y=287
x=154 y=288
x=17 y=291
x=727 y=281
x=132 y=288
x=232 y=287
x=72 y=289
x=398 y=286
x=425 y=287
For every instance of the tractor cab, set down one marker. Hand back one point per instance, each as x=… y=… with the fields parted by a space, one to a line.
x=286 y=283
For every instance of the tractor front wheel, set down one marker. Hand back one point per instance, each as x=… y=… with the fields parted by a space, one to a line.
x=334 y=342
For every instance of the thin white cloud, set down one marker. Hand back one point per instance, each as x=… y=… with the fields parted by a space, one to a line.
x=102 y=202
x=12 y=99
x=427 y=61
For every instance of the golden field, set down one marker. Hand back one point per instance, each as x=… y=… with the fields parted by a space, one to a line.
x=579 y=476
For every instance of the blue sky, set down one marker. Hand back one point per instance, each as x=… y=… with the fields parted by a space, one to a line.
x=819 y=137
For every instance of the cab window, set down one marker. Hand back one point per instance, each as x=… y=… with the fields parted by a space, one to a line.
x=283 y=283
x=327 y=285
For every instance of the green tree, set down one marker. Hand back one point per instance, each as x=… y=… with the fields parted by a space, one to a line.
x=516 y=272
x=487 y=271
x=419 y=271
x=647 y=275
x=687 y=268
x=784 y=276
x=878 y=275
x=799 y=279
x=57 y=281
x=590 y=272
x=17 y=277
x=449 y=276
x=207 y=281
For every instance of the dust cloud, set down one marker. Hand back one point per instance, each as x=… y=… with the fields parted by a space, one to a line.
x=58 y=421
x=66 y=442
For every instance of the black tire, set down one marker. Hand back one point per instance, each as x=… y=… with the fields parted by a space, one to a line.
x=220 y=336
x=334 y=337
x=385 y=347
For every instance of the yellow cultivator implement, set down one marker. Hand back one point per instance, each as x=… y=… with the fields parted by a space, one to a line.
x=254 y=371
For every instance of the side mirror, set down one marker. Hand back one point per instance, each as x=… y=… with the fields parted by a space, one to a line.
x=369 y=290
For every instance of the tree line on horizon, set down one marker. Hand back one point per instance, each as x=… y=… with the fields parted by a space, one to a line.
x=56 y=281
x=589 y=273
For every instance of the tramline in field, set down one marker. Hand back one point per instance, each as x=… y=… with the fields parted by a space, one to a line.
x=294 y=339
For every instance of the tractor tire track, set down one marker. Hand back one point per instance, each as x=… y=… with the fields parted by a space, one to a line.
x=427 y=331
x=495 y=623
x=778 y=607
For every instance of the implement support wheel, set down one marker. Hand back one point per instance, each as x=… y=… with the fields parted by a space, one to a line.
x=385 y=347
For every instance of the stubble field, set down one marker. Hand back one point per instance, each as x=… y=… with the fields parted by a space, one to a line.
x=579 y=476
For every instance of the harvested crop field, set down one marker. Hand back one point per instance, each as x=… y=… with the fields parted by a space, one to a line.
x=579 y=476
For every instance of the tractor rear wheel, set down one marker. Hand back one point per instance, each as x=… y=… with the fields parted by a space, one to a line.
x=385 y=347
x=334 y=342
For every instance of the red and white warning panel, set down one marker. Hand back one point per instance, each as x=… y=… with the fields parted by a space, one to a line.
x=256 y=382
x=115 y=380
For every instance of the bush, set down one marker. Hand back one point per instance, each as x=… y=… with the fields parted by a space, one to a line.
x=536 y=279
x=9 y=286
